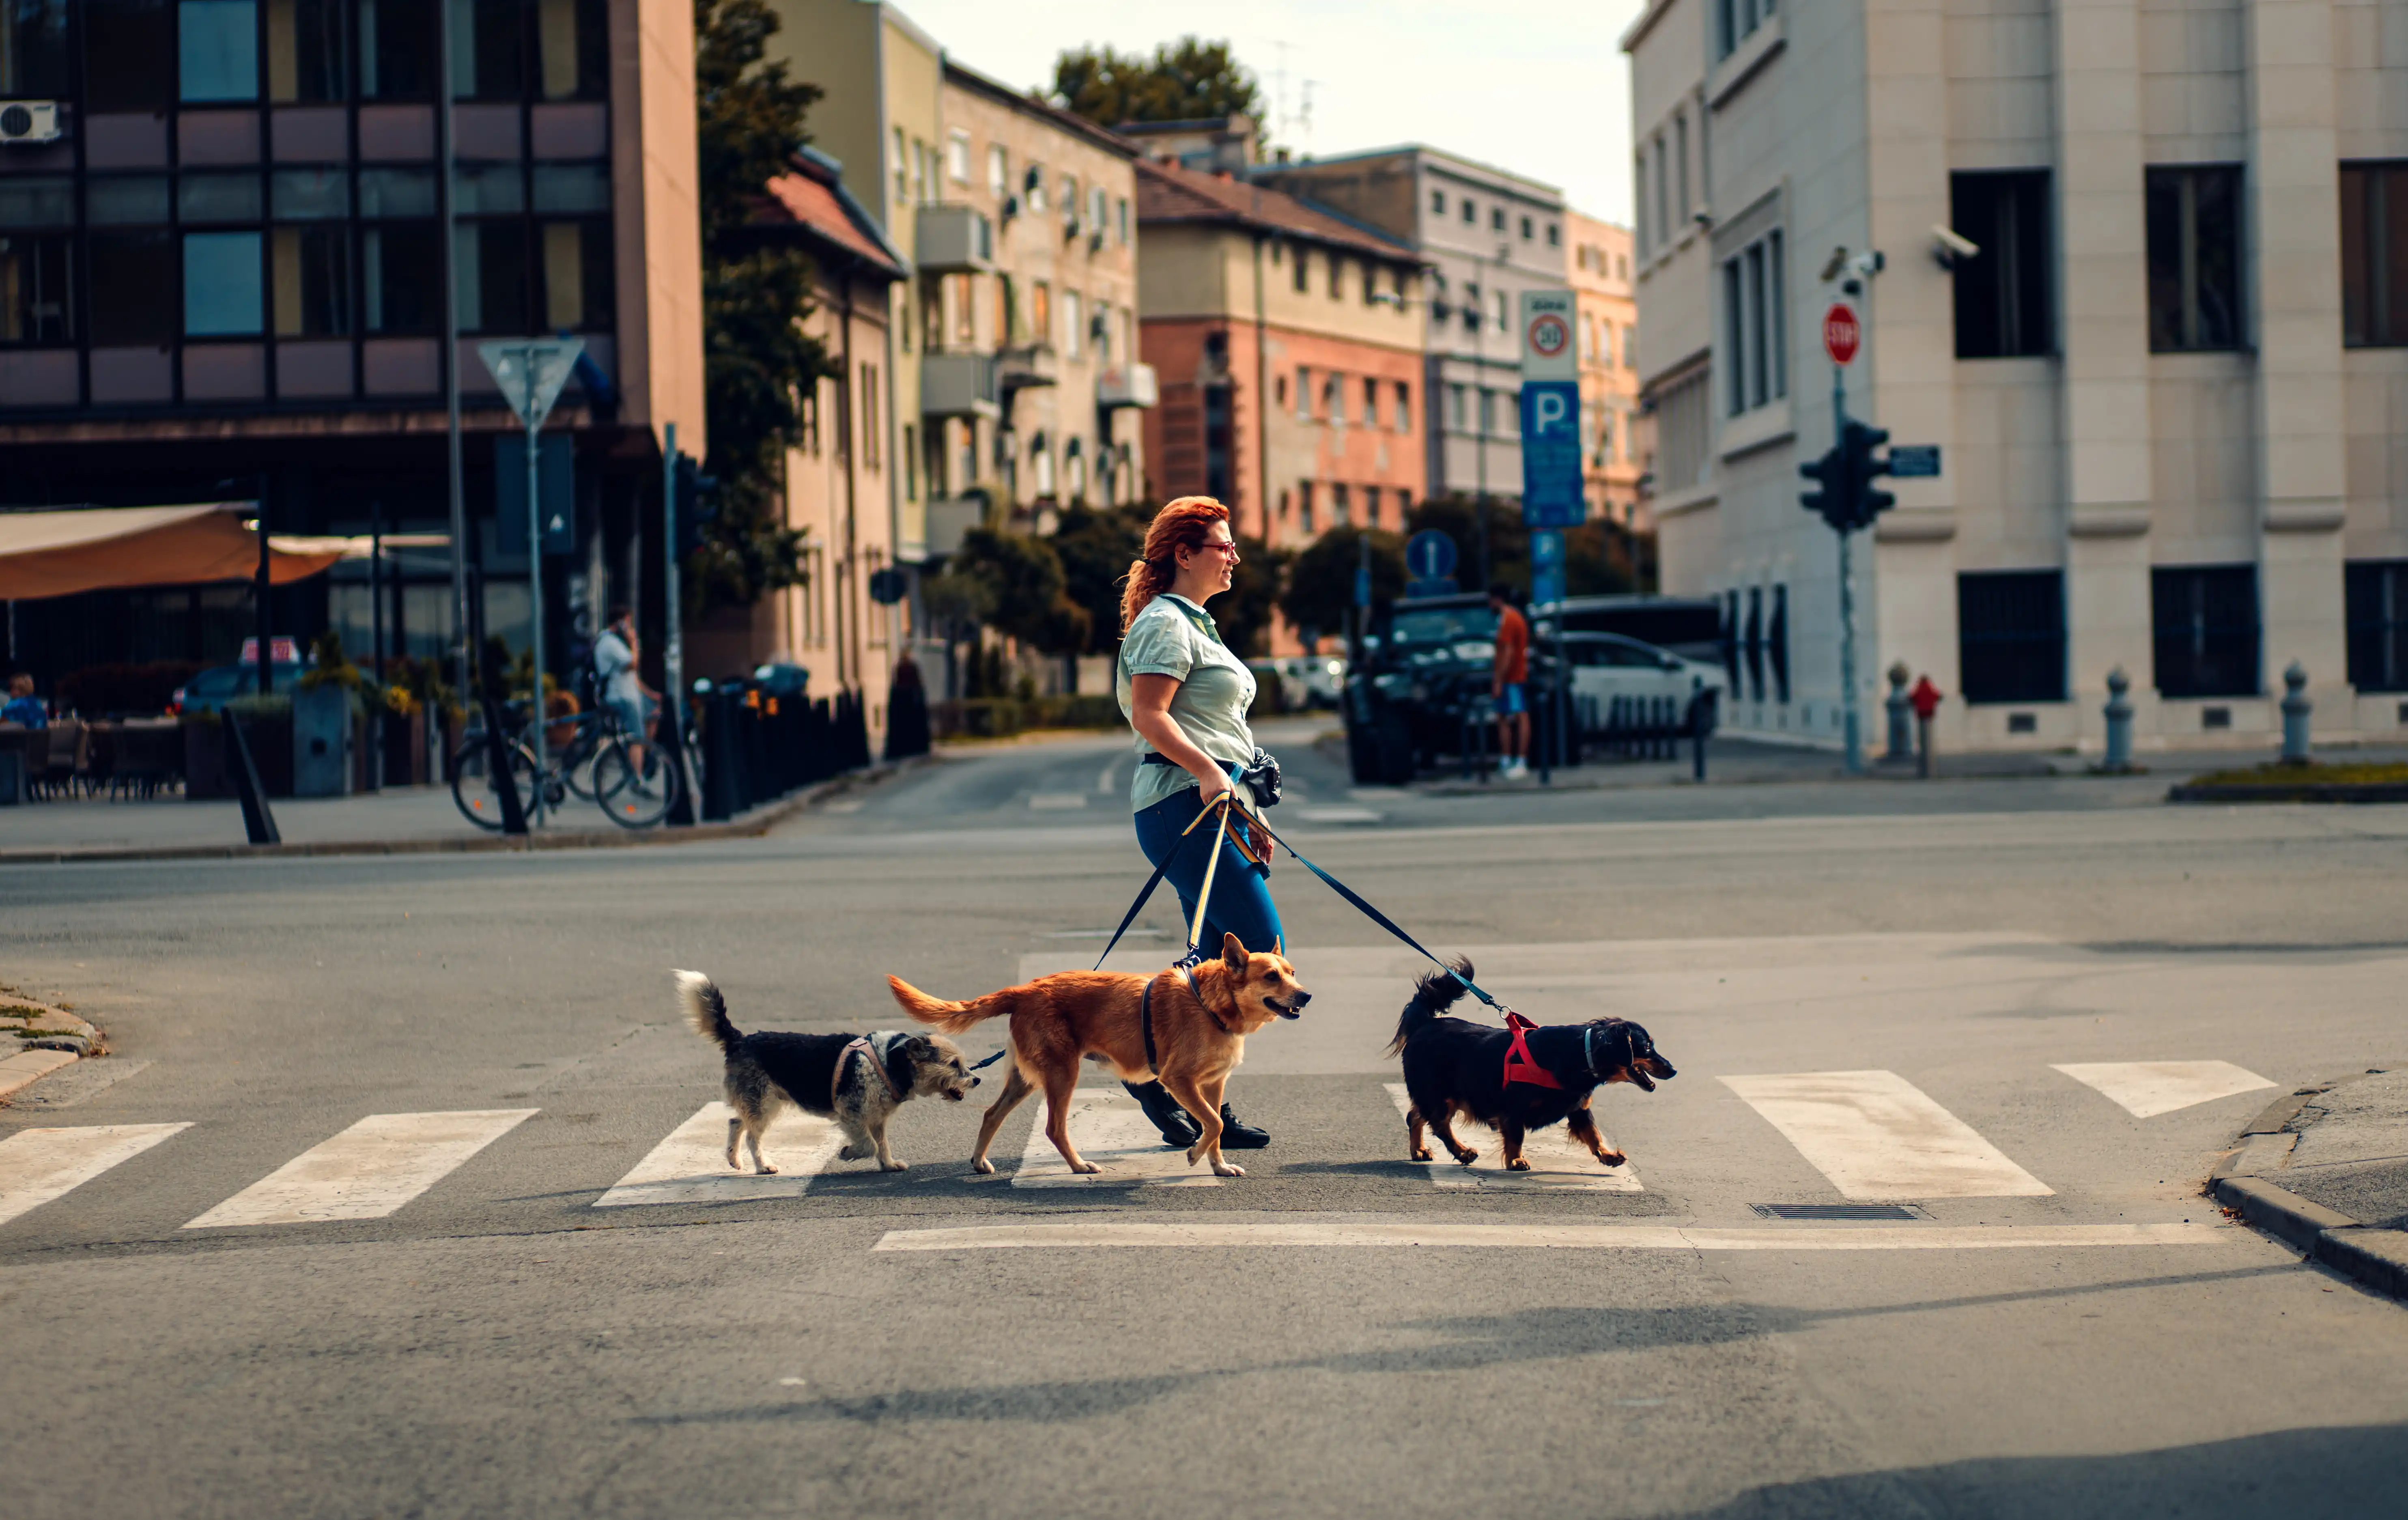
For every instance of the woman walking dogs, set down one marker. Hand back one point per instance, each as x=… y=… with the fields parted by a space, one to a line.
x=1186 y=695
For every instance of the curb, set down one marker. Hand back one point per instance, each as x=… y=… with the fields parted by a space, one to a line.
x=2306 y=792
x=750 y=826
x=2377 y=1257
x=62 y=1040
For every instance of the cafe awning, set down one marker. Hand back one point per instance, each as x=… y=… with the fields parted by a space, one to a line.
x=58 y=553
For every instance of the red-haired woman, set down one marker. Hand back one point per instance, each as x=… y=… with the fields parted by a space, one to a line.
x=1186 y=695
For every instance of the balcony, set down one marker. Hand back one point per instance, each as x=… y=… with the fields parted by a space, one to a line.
x=1128 y=385
x=953 y=240
x=959 y=385
x=1031 y=365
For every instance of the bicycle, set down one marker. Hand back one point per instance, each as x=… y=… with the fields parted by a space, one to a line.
x=596 y=762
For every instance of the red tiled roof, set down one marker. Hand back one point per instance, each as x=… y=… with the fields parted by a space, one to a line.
x=1168 y=193
x=810 y=201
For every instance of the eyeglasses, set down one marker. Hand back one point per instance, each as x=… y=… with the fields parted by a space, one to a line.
x=1222 y=544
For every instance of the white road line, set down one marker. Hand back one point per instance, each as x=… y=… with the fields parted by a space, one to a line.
x=1104 y=780
x=2147 y=1088
x=1558 y=1163
x=1450 y=1234
x=1057 y=801
x=368 y=1170
x=1339 y=814
x=690 y=1165
x=1112 y=1131
x=1875 y=1135
x=39 y=1164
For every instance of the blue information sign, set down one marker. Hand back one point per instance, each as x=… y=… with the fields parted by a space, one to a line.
x=1552 y=495
x=1430 y=555
x=1910 y=460
x=1547 y=565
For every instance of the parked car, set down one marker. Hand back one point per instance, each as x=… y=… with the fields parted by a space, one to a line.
x=1424 y=669
x=1606 y=666
x=1306 y=680
x=210 y=690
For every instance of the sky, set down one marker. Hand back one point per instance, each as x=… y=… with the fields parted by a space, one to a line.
x=1539 y=87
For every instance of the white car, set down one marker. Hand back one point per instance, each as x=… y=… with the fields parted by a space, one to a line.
x=1306 y=680
x=1606 y=666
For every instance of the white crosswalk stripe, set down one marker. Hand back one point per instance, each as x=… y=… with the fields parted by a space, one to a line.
x=691 y=1165
x=1558 y=1163
x=1112 y=1131
x=2145 y=1089
x=1875 y=1135
x=367 y=1171
x=39 y=1164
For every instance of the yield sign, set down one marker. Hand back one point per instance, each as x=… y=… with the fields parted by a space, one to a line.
x=531 y=371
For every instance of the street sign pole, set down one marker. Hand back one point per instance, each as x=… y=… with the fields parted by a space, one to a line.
x=1553 y=496
x=535 y=597
x=531 y=374
x=1839 y=339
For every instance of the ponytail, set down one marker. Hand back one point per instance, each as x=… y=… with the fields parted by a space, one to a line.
x=1182 y=524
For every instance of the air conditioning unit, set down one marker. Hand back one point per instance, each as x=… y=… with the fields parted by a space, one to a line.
x=29 y=120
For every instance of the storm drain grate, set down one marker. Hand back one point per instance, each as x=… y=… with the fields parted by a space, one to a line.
x=1837 y=1211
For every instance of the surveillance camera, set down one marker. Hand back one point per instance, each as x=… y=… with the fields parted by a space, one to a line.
x=1952 y=247
x=1867 y=264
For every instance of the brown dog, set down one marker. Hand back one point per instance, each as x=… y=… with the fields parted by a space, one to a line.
x=1199 y=1036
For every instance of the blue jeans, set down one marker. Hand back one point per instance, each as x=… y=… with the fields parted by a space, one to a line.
x=1241 y=895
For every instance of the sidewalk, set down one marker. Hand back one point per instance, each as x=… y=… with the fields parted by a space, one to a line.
x=2327 y=1170
x=409 y=819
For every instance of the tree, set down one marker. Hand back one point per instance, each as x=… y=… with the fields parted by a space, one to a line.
x=1320 y=594
x=758 y=361
x=1026 y=589
x=1183 y=81
x=1598 y=560
x=1097 y=546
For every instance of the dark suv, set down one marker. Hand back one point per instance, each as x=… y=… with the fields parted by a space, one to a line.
x=1425 y=665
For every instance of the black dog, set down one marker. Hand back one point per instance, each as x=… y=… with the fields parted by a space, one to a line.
x=1454 y=1067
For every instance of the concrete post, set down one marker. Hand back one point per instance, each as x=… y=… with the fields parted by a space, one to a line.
x=1901 y=740
x=2119 y=721
x=2296 y=708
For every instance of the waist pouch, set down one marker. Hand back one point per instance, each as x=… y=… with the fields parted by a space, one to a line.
x=1261 y=779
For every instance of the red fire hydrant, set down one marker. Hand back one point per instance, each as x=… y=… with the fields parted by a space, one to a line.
x=1926 y=697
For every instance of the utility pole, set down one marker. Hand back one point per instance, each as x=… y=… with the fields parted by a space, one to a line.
x=1848 y=502
x=468 y=655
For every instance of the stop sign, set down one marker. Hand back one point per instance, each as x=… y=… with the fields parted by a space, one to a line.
x=1840 y=333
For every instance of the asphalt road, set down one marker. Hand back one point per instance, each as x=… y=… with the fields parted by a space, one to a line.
x=1870 y=989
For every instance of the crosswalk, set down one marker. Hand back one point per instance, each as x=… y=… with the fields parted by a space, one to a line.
x=1871 y=1134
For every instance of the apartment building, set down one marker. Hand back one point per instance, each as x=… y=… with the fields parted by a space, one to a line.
x=1037 y=340
x=223 y=276
x=839 y=478
x=1615 y=446
x=2139 y=281
x=1287 y=340
x=1487 y=235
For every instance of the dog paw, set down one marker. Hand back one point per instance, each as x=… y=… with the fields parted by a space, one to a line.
x=1420 y=1154
x=1612 y=1158
x=982 y=1167
x=850 y=1153
x=1517 y=1164
x=1227 y=1168
x=1465 y=1158
x=765 y=1169
x=895 y=1166
x=1087 y=1169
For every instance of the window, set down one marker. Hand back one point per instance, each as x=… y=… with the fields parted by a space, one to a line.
x=957 y=157
x=2194 y=233
x=1342 y=509
x=36 y=292
x=1528 y=229
x=1776 y=643
x=33 y=50
x=1754 y=324
x=2206 y=627
x=130 y=56
x=491 y=261
x=1735 y=20
x=572 y=47
x=999 y=171
x=1496 y=218
x=870 y=429
x=1498 y=301
x=1098 y=212
x=1487 y=412
x=578 y=290
x=2002 y=293
x=486 y=36
x=1680 y=160
x=1303 y=273
x=1070 y=199
x=1664 y=234
x=1472 y=306
x=1555 y=235
x=2375 y=593
x=902 y=167
x=1121 y=205
x=398 y=58
x=2374 y=255
x=1455 y=407
x=1469 y=215
x=305 y=54
x=1333 y=400
x=1630 y=347
x=401 y=278
x=217 y=49
x=1304 y=392
x=2011 y=635
x=1336 y=277
x=1304 y=506
x=1034 y=186
x=1370 y=403
x=221 y=291
x=1040 y=313
x=1641 y=233
x=1404 y=407
x=1073 y=326
x=1438 y=202
x=310 y=273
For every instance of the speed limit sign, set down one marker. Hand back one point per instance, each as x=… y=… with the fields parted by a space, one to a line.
x=1840 y=333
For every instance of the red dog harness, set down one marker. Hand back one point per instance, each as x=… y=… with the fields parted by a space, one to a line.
x=1518 y=1065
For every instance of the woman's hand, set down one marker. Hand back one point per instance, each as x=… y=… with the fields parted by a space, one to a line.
x=1211 y=784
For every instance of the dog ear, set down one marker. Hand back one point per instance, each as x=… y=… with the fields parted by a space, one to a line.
x=920 y=1048
x=1233 y=954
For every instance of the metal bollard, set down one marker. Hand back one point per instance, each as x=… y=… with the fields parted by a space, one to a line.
x=2119 y=721
x=2296 y=708
x=1902 y=741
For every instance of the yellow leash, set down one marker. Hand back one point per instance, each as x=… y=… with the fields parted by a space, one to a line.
x=1204 y=899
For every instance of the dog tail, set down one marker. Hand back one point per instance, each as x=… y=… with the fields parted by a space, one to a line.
x=705 y=1009
x=1433 y=995
x=951 y=1017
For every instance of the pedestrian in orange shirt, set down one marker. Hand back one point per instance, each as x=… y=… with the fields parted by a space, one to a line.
x=1508 y=681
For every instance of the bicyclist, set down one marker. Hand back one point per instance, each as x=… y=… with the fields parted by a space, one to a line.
x=624 y=691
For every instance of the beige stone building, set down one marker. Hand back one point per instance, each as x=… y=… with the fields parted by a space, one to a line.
x=2134 y=283
x=1030 y=342
x=1614 y=447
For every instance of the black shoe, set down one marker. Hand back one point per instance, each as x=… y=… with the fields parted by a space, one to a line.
x=1178 y=1127
x=1240 y=1137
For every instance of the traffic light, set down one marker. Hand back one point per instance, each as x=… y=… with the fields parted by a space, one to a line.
x=1829 y=502
x=697 y=502
x=1857 y=445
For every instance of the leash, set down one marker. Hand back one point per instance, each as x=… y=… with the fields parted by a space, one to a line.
x=1146 y=891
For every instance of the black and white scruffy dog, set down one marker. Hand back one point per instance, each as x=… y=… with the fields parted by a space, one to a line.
x=859 y=1081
